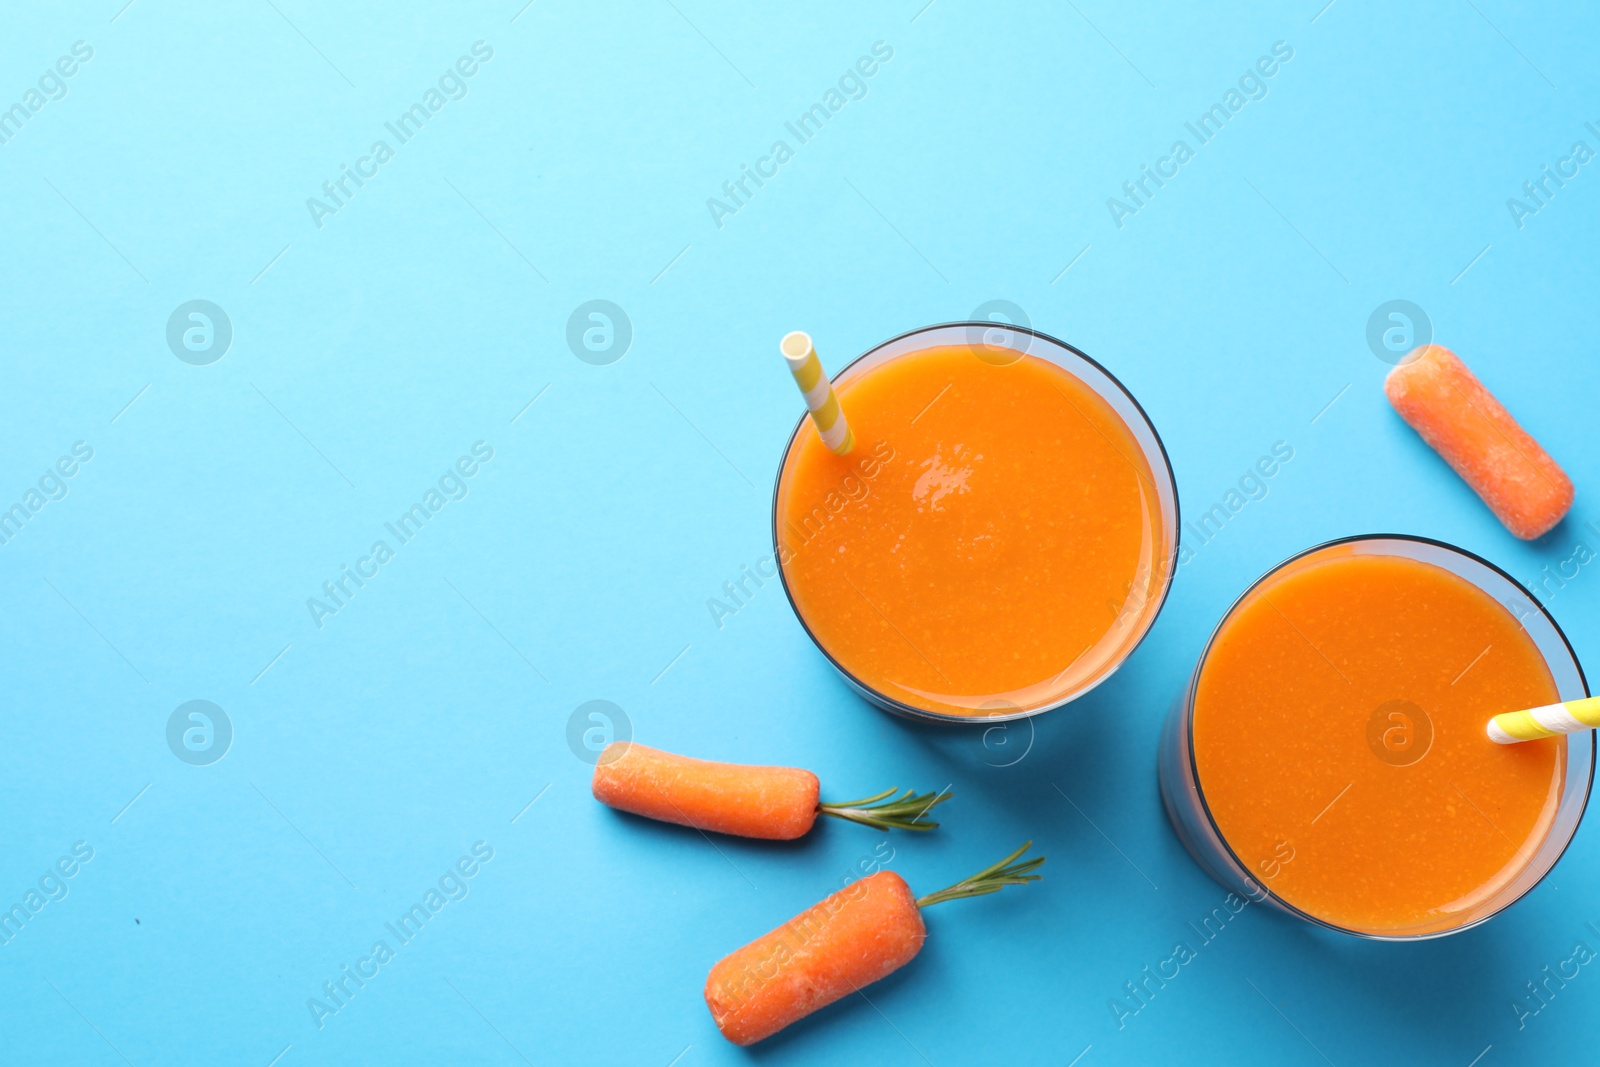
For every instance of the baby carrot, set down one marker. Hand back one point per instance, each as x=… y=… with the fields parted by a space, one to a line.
x=1445 y=403
x=776 y=803
x=862 y=933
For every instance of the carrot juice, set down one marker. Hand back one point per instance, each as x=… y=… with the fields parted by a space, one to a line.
x=1337 y=742
x=996 y=542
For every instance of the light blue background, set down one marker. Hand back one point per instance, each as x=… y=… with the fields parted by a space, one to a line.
x=425 y=315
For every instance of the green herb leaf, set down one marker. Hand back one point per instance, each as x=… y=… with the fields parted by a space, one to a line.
x=906 y=812
x=991 y=879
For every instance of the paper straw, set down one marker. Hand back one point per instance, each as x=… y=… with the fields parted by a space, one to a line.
x=814 y=386
x=1552 y=719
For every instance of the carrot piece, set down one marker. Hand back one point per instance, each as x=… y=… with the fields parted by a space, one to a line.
x=862 y=933
x=1445 y=403
x=776 y=803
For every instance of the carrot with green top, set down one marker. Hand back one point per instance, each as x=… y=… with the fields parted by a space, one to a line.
x=776 y=803
x=864 y=932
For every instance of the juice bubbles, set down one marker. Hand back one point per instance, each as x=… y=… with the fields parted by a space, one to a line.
x=1336 y=742
x=998 y=540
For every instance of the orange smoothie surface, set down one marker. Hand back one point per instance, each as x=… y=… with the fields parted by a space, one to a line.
x=994 y=542
x=1340 y=719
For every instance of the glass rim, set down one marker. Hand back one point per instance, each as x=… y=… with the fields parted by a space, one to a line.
x=901 y=708
x=1194 y=767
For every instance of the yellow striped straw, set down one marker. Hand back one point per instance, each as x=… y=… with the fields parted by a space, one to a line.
x=801 y=356
x=1552 y=719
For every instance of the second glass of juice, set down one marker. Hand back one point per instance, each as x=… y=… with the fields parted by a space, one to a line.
x=999 y=539
x=1330 y=757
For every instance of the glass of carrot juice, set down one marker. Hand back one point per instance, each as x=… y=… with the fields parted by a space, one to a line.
x=1330 y=756
x=998 y=540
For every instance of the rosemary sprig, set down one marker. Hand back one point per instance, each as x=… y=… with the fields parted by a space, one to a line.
x=990 y=879
x=907 y=812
